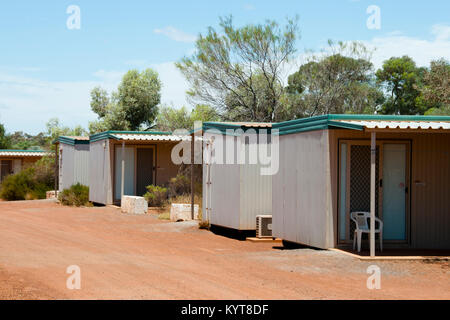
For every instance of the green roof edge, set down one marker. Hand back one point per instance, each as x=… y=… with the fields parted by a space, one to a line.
x=70 y=141
x=328 y=122
x=222 y=127
x=110 y=134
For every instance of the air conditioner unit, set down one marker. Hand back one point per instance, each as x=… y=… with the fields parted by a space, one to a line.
x=264 y=226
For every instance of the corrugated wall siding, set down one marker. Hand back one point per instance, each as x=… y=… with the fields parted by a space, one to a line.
x=255 y=195
x=238 y=192
x=81 y=167
x=67 y=166
x=225 y=195
x=75 y=165
x=100 y=175
x=301 y=199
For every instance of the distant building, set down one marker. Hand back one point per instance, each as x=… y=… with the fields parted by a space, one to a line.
x=13 y=161
x=73 y=161
x=146 y=159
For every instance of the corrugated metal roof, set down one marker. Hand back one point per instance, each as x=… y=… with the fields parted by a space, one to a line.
x=113 y=134
x=362 y=122
x=248 y=124
x=77 y=137
x=380 y=124
x=23 y=153
x=150 y=137
x=154 y=137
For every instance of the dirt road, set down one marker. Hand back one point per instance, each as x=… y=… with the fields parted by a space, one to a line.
x=140 y=257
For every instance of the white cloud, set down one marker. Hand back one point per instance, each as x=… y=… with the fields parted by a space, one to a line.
x=26 y=103
x=421 y=50
x=176 y=34
x=441 y=32
x=249 y=7
x=393 y=44
x=174 y=86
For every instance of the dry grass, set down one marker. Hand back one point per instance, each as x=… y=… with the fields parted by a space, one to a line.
x=203 y=224
x=164 y=216
x=163 y=212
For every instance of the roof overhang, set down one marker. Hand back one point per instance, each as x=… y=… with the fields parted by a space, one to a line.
x=118 y=135
x=24 y=153
x=403 y=126
x=366 y=123
x=151 y=137
x=141 y=136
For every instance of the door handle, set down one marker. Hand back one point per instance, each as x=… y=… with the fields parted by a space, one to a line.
x=381 y=183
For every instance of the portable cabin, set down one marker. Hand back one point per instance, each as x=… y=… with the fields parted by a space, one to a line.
x=146 y=158
x=13 y=161
x=73 y=161
x=395 y=167
x=234 y=192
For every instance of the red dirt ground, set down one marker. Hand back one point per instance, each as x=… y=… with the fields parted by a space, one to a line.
x=140 y=257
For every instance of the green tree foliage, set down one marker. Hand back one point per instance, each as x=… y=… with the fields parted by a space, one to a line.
x=55 y=130
x=401 y=78
x=43 y=140
x=203 y=113
x=230 y=67
x=99 y=101
x=436 y=87
x=170 y=118
x=260 y=98
x=339 y=80
x=24 y=141
x=133 y=105
x=5 y=141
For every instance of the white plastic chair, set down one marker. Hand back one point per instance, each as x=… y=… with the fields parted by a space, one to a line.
x=362 y=226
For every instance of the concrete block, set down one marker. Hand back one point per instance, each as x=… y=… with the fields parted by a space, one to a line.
x=51 y=194
x=134 y=205
x=182 y=212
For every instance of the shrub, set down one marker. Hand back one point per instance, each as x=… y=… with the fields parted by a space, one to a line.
x=77 y=195
x=44 y=171
x=179 y=185
x=18 y=186
x=31 y=183
x=203 y=224
x=156 y=196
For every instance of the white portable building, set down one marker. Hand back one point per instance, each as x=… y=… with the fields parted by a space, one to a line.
x=233 y=194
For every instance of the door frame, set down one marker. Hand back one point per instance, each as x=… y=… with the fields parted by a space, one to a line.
x=380 y=143
x=11 y=160
x=117 y=148
x=153 y=163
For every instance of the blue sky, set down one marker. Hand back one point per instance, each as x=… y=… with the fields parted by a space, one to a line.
x=47 y=70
